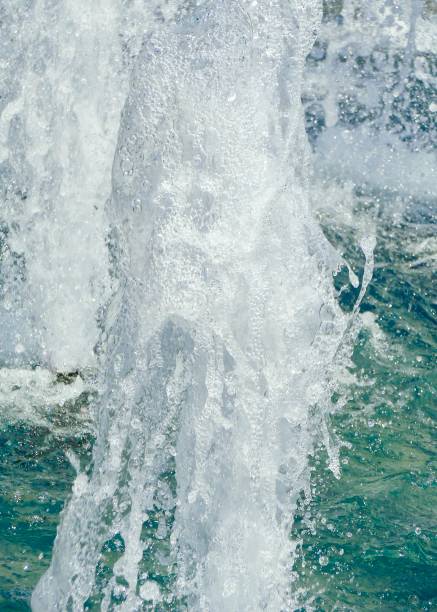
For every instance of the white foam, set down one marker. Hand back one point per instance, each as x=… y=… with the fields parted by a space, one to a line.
x=58 y=135
x=382 y=162
x=358 y=146
x=35 y=397
x=223 y=331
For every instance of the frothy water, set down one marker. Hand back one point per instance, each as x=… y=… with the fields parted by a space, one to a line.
x=66 y=78
x=220 y=338
x=371 y=82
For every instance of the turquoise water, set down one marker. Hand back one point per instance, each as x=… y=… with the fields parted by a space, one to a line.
x=368 y=538
x=35 y=478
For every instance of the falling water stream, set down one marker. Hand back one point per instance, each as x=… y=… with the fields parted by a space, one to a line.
x=222 y=327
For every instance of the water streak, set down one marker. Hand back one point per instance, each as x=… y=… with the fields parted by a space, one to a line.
x=223 y=327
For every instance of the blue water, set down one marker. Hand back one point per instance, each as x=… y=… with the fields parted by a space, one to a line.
x=368 y=539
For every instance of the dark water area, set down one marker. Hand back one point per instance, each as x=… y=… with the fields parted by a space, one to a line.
x=368 y=538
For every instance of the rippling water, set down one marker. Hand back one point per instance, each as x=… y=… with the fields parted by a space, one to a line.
x=368 y=538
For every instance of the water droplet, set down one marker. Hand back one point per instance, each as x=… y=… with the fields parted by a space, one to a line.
x=150 y=591
x=323 y=560
x=127 y=166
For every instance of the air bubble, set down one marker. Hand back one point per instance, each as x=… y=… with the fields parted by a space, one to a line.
x=323 y=560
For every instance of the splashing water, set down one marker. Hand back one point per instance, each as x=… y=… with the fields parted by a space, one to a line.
x=65 y=88
x=222 y=330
